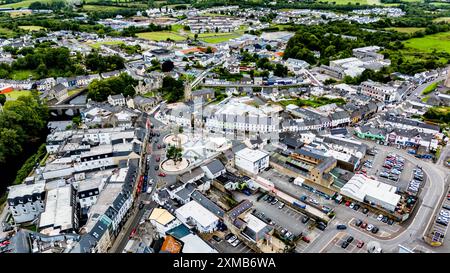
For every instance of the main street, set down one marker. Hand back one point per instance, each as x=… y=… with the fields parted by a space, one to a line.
x=136 y=215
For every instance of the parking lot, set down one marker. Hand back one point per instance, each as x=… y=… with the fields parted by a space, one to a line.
x=335 y=245
x=377 y=168
x=224 y=247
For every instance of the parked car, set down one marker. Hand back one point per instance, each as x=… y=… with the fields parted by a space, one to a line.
x=236 y=243
x=162 y=174
x=157 y=159
x=358 y=223
x=305 y=219
x=305 y=239
x=385 y=219
x=352 y=205
x=349 y=239
x=370 y=227
x=356 y=207
x=156 y=167
x=390 y=222
x=141 y=205
x=380 y=217
x=344 y=244
x=375 y=230
x=291 y=179
x=347 y=203
x=228 y=236
x=363 y=225
x=360 y=244
x=274 y=201
x=365 y=210
x=232 y=239
x=216 y=238
x=281 y=205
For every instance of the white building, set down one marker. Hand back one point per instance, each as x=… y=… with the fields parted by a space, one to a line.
x=379 y=91
x=194 y=214
x=163 y=220
x=117 y=100
x=26 y=202
x=378 y=194
x=60 y=211
x=252 y=161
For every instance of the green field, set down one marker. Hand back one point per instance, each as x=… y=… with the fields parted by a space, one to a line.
x=430 y=88
x=22 y=4
x=160 y=36
x=22 y=74
x=32 y=28
x=16 y=94
x=101 y=8
x=97 y=45
x=428 y=43
x=406 y=29
x=442 y=19
x=215 y=39
x=6 y=32
x=345 y=2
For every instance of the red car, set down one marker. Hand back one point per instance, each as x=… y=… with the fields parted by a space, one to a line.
x=133 y=232
x=5 y=243
x=158 y=159
x=347 y=203
x=159 y=146
x=162 y=174
x=360 y=244
x=363 y=225
x=305 y=239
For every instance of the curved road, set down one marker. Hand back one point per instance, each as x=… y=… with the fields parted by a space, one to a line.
x=434 y=188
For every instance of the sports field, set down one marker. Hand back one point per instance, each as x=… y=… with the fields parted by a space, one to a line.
x=160 y=36
x=97 y=45
x=32 y=28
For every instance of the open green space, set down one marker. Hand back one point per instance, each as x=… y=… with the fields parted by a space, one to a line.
x=160 y=36
x=215 y=39
x=313 y=102
x=16 y=94
x=32 y=28
x=428 y=43
x=406 y=29
x=98 y=44
x=442 y=19
x=22 y=4
x=430 y=88
x=101 y=8
x=345 y=2
x=20 y=75
x=6 y=32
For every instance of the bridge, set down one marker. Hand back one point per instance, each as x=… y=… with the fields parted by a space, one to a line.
x=61 y=108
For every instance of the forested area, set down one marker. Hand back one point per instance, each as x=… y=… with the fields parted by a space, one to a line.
x=99 y=90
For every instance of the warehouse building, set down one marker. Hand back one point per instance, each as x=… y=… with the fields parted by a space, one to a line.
x=378 y=194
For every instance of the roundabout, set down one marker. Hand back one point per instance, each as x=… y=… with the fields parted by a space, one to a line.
x=171 y=166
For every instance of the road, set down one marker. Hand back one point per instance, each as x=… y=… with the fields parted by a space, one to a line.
x=137 y=214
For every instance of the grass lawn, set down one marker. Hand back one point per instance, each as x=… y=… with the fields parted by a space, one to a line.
x=32 y=28
x=6 y=32
x=406 y=29
x=97 y=45
x=177 y=27
x=22 y=4
x=160 y=36
x=74 y=91
x=345 y=2
x=16 y=94
x=22 y=74
x=215 y=39
x=101 y=8
x=430 y=88
x=442 y=19
x=439 y=41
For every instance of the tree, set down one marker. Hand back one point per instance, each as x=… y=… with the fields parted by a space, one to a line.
x=172 y=90
x=99 y=90
x=195 y=36
x=2 y=99
x=209 y=50
x=167 y=66
x=187 y=28
x=268 y=47
x=280 y=70
x=76 y=120
x=174 y=153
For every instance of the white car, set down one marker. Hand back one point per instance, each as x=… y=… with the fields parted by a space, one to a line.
x=380 y=217
x=236 y=243
x=232 y=239
x=352 y=205
x=369 y=227
x=281 y=205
